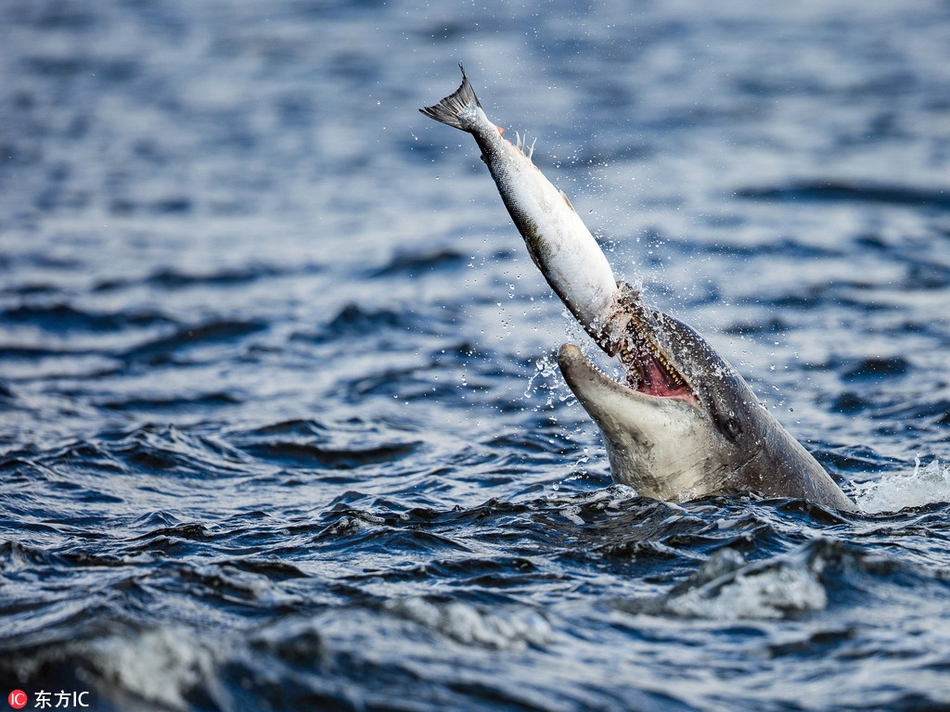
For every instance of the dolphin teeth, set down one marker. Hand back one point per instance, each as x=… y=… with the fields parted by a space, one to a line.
x=648 y=368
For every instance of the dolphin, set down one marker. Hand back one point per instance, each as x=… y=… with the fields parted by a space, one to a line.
x=685 y=425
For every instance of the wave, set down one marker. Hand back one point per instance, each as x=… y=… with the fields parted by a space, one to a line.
x=842 y=191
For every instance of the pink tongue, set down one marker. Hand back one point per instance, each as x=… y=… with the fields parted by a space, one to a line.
x=656 y=383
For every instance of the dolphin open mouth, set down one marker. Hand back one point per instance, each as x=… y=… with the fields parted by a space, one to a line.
x=649 y=372
x=647 y=368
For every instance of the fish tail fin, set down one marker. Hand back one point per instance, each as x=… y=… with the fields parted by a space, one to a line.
x=457 y=109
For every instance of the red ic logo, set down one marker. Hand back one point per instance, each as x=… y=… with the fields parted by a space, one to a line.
x=18 y=699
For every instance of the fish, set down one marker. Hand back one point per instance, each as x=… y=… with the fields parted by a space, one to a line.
x=558 y=241
x=685 y=425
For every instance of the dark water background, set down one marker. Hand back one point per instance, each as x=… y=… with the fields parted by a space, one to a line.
x=281 y=422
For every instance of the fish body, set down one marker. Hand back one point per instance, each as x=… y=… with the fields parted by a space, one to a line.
x=558 y=241
x=685 y=424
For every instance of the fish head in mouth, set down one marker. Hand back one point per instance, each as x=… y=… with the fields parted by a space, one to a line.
x=684 y=424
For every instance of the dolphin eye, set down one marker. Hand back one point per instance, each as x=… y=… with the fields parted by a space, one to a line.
x=729 y=425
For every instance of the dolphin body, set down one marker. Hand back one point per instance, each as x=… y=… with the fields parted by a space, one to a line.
x=685 y=425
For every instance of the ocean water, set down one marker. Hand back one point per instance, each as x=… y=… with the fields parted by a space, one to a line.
x=281 y=425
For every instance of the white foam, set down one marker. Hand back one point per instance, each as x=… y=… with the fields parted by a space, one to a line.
x=159 y=665
x=468 y=624
x=893 y=492
x=572 y=514
x=768 y=595
x=788 y=584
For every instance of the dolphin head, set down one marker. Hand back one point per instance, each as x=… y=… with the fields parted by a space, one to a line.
x=685 y=424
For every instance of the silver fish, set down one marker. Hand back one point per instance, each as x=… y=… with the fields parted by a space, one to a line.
x=557 y=239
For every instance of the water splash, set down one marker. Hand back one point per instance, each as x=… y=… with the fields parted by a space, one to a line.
x=546 y=372
x=474 y=625
x=893 y=492
x=726 y=588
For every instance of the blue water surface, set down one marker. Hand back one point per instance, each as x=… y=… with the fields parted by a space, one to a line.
x=281 y=425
